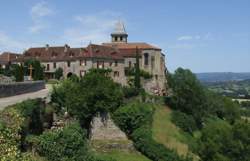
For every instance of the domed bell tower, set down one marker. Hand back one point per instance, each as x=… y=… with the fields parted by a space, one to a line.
x=119 y=35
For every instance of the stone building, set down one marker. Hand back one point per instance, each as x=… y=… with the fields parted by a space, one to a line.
x=7 y=58
x=118 y=55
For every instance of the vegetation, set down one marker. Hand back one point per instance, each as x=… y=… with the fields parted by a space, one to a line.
x=137 y=71
x=38 y=69
x=84 y=98
x=215 y=116
x=135 y=119
x=58 y=73
x=232 y=89
x=68 y=144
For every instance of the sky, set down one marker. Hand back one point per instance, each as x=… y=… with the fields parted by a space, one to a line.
x=203 y=36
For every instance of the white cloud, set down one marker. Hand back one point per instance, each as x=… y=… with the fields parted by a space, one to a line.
x=38 y=12
x=184 y=38
x=182 y=46
x=41 y=9
x=207 y=36
x=93 y=28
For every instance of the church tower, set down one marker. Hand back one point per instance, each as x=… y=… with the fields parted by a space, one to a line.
x=119 y=35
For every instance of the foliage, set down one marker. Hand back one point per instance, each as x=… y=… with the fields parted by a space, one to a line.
x=16 y=123
x=58 y=73
x=38 y=69
x=221 y=141
x=191 y=98
x=84 y=97
x=132 y=116
x=137 y=79
x=17 y=71
x=188 y=95
x=10 y=126
x=184 y=121
x=130 y=91
x=135 y=119
x=68 y=143
x=143 y=73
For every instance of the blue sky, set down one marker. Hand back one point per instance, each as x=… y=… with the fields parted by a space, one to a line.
x=204 y=36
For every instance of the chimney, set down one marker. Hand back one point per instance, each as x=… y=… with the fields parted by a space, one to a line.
x=46 y=47
x=66 y=47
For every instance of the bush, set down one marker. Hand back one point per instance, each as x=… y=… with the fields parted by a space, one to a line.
x=184 y=121
x=58 y=73
x=132 y=116
x=60 y=145
x=129 y=92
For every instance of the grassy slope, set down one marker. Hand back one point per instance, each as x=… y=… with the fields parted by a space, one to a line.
x=165 y=132
x=123 y=156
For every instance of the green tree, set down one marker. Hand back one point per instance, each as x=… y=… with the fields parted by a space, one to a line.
x=221 y=141
x=137 y=71
x=188 y=94
x=58 y=73
x=83 y=98
x=17 y=71
x=38 y=69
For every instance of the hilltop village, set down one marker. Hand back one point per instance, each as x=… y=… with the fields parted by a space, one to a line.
x=119 y=55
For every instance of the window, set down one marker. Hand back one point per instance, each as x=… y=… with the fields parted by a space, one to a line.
x=54 y=65
x=116 y=63
x=100 y=64
x=68 y=63
x=71 y=54
x=110 y=64
x=156 y=77
x=146 y=59
x=47 y=67
x=54 y=54
x=116 y=74
x=152 y=62
x=129 y=64
x=83 y=62
x=120 y=38
x=116 y=38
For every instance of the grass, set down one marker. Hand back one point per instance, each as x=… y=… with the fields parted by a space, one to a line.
x=122 y=153
x=166 y=133
x=123 y=156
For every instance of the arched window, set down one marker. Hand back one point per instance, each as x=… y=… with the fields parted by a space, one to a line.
x=146 y=59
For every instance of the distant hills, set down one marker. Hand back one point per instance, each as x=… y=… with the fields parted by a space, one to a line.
x=222 y=76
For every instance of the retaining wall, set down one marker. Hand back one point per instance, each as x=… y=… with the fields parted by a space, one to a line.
x=15 y=88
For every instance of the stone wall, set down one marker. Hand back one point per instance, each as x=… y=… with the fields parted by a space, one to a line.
x=15 y=88
x=103 y=128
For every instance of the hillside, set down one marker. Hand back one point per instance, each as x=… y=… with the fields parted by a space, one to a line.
x=222 y=76
x=167 y=133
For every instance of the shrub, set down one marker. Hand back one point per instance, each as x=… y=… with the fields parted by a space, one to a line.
x=68 y=143
x=58 y=73
x=184 y=121
x=132 y=116
x=129 y=92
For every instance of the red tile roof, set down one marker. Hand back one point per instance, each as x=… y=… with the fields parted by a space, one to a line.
x=139 y=45
x=65 y=53
x=7 y=57
x=129 y=49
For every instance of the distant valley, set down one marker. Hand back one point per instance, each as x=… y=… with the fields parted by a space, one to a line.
x=222 y=76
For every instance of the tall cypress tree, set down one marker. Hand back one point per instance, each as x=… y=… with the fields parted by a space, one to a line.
x=137 y=71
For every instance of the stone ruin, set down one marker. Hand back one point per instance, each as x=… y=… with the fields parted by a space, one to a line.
x=105 y=135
